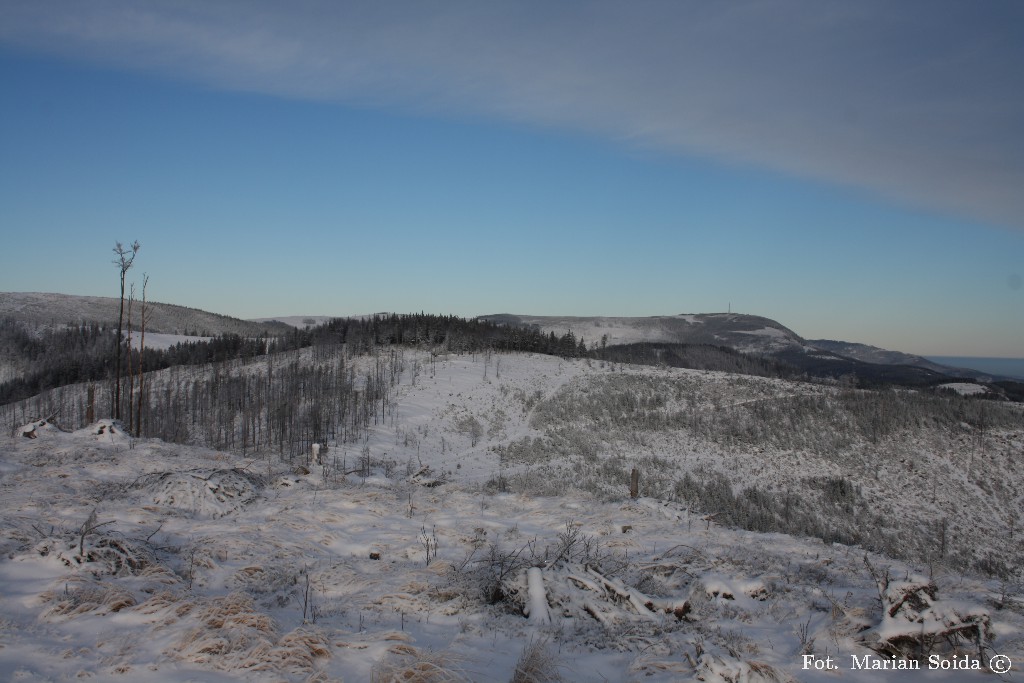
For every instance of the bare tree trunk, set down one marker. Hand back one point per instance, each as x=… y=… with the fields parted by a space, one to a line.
x=117 y=371
x=142 y=349
x=124 y=262
x=131 y=375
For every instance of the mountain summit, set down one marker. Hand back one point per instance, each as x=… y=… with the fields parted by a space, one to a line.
x=751 y=334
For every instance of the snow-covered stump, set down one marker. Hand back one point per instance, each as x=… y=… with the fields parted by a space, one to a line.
x=537 y=606
x=915 y=622
x=315 y=453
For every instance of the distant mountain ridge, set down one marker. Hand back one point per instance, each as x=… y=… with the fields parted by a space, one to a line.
x=40 y=308
x=742 y=332
x=874 y=354
x=754 y=335
x=748 y=334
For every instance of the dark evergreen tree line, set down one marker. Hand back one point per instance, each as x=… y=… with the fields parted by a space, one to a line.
x=696 y=357
x=54 y=357
x=445 y=332
x=81 y=353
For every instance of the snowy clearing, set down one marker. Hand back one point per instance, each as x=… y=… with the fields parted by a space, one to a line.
x=965 y=388
x=314 y=579
x=428 y=545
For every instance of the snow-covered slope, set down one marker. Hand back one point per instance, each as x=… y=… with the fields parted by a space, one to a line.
x=413 y=546
x=144 y=561
x=860 y=466
x=61 y=309
x=874 y=354
x=754 y=335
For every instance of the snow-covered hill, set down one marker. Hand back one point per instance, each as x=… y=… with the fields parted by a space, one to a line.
x=61 y=309
x=753 y=335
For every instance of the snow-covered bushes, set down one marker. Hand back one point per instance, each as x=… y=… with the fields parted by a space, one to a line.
x=207 y=492
x=488 y=573
x=100 y=552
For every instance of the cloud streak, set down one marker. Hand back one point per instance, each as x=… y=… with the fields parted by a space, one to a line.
x=920 y=102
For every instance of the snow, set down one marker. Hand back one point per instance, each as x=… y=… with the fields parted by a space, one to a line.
x=300 y=321
x=964 y=388
x=163 y=341
x=537 y=609
x=208 y=566
x=619 y=330
x=767 y=332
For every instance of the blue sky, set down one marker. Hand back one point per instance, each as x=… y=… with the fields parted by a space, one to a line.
x=852 y=170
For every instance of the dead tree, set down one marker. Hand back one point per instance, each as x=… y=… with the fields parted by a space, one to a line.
x=125 y=257
x=131 y=373
x=143 y=319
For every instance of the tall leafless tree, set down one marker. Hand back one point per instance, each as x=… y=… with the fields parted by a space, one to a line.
x=125 y=257
x=131 y=372
x=143 y=319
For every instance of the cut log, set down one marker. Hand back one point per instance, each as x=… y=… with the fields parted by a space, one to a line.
x=537 y=607
x=634 y=597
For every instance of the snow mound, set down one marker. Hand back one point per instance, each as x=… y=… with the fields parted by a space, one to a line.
x=720 y=586
x=103 y=431
x=34 y=429
x=210 y=493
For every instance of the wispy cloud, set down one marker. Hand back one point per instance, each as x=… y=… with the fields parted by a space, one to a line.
x=916 y=101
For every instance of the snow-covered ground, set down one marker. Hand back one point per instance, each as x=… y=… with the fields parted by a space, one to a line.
x=965 y=388
x=142 y=560
x=166 y=563
x=300 y=321
x=162 y=341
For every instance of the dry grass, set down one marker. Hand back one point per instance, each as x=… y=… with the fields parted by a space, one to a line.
x=767 y=673
x=159 y=602
x=321 y=677
x=297 y=652
x=81 y=596
x=536 y=664
x=231 y=634
x=407 y=664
